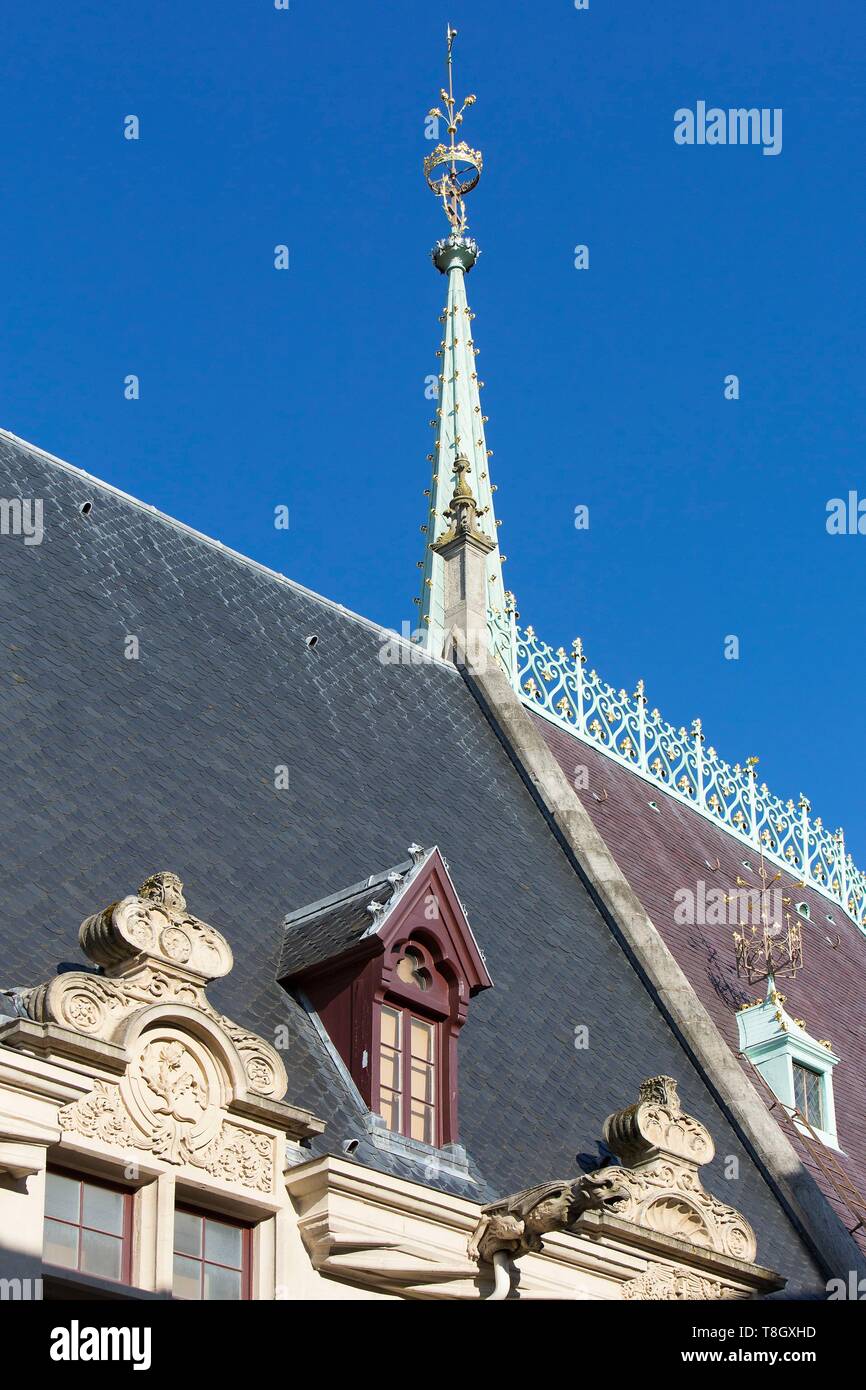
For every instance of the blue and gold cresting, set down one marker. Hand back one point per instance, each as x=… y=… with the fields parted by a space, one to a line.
x=452 y=171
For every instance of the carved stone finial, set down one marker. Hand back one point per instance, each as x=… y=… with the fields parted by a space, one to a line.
x=462 y=512
x=659 y=1186
x=166 y=889
x=657 y=1125
x=155 y=923
x=155 y=954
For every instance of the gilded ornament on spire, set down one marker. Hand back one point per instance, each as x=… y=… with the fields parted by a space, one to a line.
x=454 y=169
x=462 y=512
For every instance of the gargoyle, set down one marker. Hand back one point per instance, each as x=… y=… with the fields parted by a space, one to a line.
x=515 y=1224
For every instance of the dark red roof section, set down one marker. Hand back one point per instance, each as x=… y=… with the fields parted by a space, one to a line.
x=671 y=848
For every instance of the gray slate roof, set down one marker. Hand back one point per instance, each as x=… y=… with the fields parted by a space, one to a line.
x=327 y=928
x=115 y=768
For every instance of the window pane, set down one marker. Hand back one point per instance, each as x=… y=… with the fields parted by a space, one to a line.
x=422 y=1040
x=101 y=1255
x=102 y=1209
x=60 y=1245
x=808 y=1094
x=422 y=1123
x=221 y=1283
x=422 y=1082
x=390 y=1028
x=187 y=1233
x=61 y=1196
x=187 y=1278
x=223 y=1243
x=815 y=1111
x=389 y=1069
x=389 y=1109
x=799 y=1088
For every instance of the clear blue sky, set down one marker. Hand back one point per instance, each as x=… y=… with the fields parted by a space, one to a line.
x=604 y=387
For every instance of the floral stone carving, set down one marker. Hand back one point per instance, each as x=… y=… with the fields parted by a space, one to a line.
x=659 y=1186
x=666 y=1282
x=198 y=1089
x=171 y=1103
x=152 y=951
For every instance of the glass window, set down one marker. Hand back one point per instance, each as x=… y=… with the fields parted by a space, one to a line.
x=391 y=1069
x=809 y=1094
x=87 y=1227
x=211 y=1257
x=407 y=1074
x=421 y=1082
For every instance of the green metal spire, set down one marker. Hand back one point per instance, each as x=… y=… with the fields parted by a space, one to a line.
x=459 y=420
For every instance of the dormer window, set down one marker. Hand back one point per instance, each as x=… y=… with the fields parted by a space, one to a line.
x=407 y=1074
x=809 y=1094
x=797 y=1067
x=389 y=967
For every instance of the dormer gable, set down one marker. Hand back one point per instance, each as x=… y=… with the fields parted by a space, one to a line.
x=389 y=965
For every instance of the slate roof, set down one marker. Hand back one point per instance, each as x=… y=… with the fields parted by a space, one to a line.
x=116 y=768
x=330 y=926
x=665 y=850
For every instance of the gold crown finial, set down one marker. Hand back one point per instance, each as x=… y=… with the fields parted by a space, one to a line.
x=454 y=169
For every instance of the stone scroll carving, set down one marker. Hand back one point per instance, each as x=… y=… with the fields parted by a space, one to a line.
x=190 y=1068
x=659 y=1186
x=152 y=951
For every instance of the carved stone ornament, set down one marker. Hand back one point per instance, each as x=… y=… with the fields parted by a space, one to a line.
x=660 y=1191
x=171 y=1103
x=152 y=951
x=155 y=923
x=659 y=1188
x=196 y=1084
x=516 y=1224
x=664 y=1282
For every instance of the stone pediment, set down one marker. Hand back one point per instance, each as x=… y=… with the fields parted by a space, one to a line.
x=197 y=1089
x=659 y=1187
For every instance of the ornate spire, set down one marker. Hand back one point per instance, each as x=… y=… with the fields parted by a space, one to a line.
x=460 y=445
x=462 y=513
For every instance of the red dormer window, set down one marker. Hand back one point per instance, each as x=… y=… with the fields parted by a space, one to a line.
x=410 y=1090
x=392 y=989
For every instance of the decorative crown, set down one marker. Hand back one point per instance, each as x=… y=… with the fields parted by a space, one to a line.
x=454 y=169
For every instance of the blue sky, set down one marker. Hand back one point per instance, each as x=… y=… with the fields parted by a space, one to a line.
x=604 y=387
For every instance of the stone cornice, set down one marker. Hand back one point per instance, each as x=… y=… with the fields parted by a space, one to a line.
x=379 y=1231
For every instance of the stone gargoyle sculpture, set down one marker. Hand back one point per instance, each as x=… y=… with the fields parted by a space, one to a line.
x=515 y=1225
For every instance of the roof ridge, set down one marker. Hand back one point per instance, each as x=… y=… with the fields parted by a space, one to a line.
x=555 y=686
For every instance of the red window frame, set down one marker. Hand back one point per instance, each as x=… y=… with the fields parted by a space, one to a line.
x=125 y=1237
x=246 y=1267
x=406 y=1016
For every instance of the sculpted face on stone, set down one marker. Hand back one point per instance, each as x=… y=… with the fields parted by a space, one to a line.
x=166 y=890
